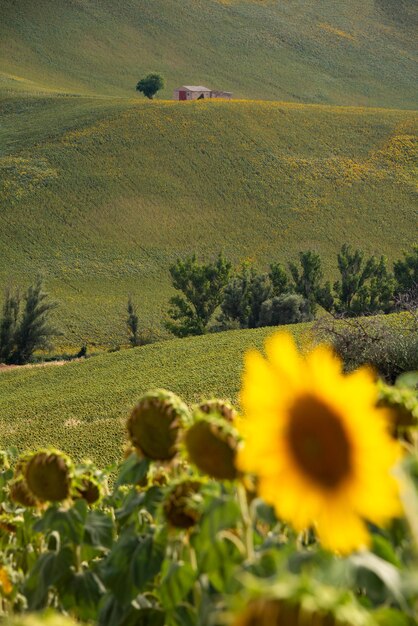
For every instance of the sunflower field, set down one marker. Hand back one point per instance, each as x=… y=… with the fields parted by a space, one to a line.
x=301 y=510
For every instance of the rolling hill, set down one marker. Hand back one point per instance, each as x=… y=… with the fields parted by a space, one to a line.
x=102 y=194
x=82 y=407
x=358 y=52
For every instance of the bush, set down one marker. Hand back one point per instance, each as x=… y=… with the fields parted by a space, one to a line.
x=390 y=348
x=285 y=309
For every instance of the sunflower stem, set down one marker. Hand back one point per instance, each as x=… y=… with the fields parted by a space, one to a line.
x=246 y=521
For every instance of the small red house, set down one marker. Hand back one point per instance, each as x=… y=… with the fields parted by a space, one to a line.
x=191 y=92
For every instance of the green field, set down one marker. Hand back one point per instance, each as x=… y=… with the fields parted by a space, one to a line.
x=359 y=52
x=102 y=195
x=81 y=407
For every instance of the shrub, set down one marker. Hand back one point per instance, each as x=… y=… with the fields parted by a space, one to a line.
x=285 y=309
x=389 y=348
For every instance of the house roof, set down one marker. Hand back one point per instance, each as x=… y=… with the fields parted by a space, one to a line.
x=194 y=88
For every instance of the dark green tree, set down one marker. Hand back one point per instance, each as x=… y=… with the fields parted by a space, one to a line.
x=355 y=271
x=406 y=273
x=150 y=85
x=307 y=279
x=202 y=286
x=376 y=296
x=243 y=297
x=132 y=323
x=32 y=327
x=8 y=325
x=279 y=279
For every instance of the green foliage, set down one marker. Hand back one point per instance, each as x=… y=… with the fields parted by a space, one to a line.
x=202 y=286
x=289 y=308
x=150 y=85
x=24 y=331
x=307 y=279
x=243 y=298
x=8 y=325
x=366 y=286
x=406 y=272
x=279 y=279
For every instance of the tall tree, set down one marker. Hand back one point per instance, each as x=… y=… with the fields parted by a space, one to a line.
x=354 y=271
x=202 y=286
x=307 y=279
x=243 y=297
x=132 y=323
x=406 y=273
x=279 y=279
x=34 y=328
x=8 y=325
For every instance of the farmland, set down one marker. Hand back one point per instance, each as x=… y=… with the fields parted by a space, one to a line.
x=361 y=53
x=101 y=195
x=301 y=508
x=82 y=407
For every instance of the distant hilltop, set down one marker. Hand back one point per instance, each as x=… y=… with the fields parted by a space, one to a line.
x=191 y=92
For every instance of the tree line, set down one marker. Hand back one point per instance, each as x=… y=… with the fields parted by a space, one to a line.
x=213 y=297
x=247 y=298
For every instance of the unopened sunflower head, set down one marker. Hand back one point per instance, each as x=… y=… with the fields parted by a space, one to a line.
x=402 y=403
x=182 y=504
x=20 y=493
x=49 y=475
x=212 y=445
x=155 y=424
x=216 y=408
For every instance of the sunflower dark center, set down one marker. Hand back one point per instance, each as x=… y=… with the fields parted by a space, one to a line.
x=319 y=442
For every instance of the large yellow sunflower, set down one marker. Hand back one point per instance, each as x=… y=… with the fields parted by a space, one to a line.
x=317 y=443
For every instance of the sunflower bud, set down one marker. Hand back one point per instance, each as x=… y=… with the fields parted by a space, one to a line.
x=212 y=445
x=155 y=423
x=48 y=475
x=180 y=506
x=219 y=408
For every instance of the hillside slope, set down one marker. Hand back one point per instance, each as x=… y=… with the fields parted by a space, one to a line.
x=101 y=195
x=82 y=407
x=358 y=52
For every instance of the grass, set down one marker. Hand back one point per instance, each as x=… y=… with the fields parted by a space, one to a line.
x=82 y=407
x=359 y=52
x=103 y=194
